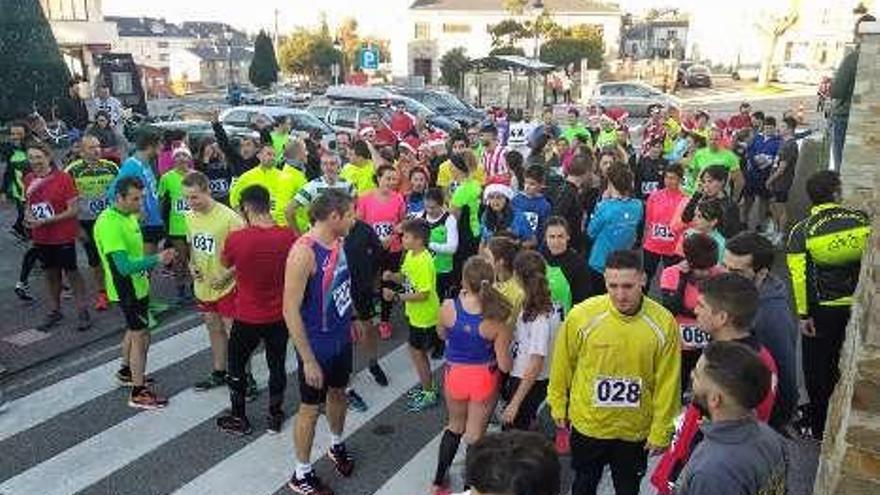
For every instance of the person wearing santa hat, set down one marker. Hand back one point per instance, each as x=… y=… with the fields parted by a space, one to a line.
x=402 y=123
x=174 y=210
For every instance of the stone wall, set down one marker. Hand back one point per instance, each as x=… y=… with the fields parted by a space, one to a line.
x=850 y=459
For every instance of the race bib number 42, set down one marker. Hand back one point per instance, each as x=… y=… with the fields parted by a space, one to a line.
x=617 y=392
x=694 y=338
x=42 y=211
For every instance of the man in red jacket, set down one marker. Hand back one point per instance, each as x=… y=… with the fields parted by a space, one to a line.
x=402 y=123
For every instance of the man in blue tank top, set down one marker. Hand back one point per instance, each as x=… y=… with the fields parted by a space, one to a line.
x=318 y=312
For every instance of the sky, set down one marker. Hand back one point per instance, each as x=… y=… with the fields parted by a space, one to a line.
x=292 y=13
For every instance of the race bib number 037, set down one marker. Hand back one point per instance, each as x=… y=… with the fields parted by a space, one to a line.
x=617 y=392
x=204 y=243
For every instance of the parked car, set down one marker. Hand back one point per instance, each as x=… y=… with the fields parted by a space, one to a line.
x=288 y=98
x=351 y=116
x=380 y=97
x=698 y=76
x=633 y=96
x=798 y=73
x=443 y=103
x=747 y=72
x=681 y=72
x=243 y=117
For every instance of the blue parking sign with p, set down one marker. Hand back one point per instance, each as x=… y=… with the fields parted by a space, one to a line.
x=369 y=59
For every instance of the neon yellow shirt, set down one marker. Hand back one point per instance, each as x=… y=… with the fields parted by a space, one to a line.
x=206 y=235
x=515 y=295
x=361 y=176
x=420 y=276
x=291 y=181
x=617 y=377
x=271 y=179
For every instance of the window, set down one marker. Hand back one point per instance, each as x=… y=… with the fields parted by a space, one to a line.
x=162 y=44
x=164 y=57
x=423 y=31
x=239 y=118
x=451 y=28
x=121 y=82
x=67 y=10
x=343 y=117
x=611 y=90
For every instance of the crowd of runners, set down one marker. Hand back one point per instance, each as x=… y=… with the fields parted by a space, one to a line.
x=634 y=291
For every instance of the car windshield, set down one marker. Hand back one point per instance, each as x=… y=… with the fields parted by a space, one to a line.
x=699 y=69
x=308 y=122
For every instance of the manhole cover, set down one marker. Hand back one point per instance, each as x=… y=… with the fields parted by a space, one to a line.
x=383 y=430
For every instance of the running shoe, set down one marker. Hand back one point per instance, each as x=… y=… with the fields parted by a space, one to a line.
x=355 y=401
x=378 y=375
x=275 y=422
x=310 y=484
x=214 y=380
x=101 y=301
x=414 y=392
x=23 y=291
x=50 y=321
x=234 y=425
x=385 y=330
x=123 y=376
x=84 y=320
x=147 y=399
x=342 y=460
x=252 y=391
x=426 y=400
x=66 y=292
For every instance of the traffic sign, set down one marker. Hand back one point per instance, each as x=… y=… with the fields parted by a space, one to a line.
x=369 y=59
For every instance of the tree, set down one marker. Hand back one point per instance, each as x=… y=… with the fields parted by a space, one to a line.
x=264 y=66
x=453 y=65
x=308 y=52
x=515 y=7
x=774 y=26
x=567 y=50
x=507 y=33
x=33 y=69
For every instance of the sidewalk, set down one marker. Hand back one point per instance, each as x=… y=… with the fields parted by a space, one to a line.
x=21 y=345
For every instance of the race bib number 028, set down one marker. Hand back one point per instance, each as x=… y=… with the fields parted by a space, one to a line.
x=617 y=392
x=694 y=338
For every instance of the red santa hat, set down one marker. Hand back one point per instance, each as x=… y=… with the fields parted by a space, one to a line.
x=411 y=143
x=366 y=130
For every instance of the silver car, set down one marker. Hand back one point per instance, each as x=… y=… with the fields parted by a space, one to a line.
x=302 y=121
x=632 y=96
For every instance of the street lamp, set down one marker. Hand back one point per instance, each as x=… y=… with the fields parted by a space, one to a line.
x=227 y=35
x=538 y=8
x=337 y=46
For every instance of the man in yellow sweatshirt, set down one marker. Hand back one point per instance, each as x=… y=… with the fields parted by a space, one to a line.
x=614 y=379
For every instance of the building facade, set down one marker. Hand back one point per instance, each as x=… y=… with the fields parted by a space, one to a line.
x=81 y=32
x=433 y=27
x=662 y=37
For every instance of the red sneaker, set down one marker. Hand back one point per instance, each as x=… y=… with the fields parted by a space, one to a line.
x=147 y=399
x=385 y=330
x=101 y=302
x=563 y=437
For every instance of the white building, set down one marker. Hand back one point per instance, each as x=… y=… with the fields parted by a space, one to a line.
x=431 y=28
x=81 y=32
x=150 y=41
x=727 y=33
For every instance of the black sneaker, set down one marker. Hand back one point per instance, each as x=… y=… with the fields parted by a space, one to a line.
x=275 y=422
x=342 y=460
x=378 y=374
x=214 y=380
x=252 y=391
x=123 y=376
x=234 y=425
x=310 y=484
x=51 y=321
x=23 y=291
x=84 y=321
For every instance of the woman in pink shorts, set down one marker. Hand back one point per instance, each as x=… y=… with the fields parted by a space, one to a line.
x=477 y=342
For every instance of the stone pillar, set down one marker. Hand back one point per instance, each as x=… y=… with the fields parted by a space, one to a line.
x=850 y=460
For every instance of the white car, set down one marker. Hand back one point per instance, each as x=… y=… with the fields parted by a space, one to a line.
x=798 y=73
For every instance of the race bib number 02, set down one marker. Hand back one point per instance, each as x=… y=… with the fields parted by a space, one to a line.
x=42 y=211
x=204 y=243
x=617 y=392
x=181 y=206
x=694 y=338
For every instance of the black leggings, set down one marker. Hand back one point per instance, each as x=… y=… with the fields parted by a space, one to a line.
x=27 y=264
x=821 y=355
x=391 y=262
x=243 y=340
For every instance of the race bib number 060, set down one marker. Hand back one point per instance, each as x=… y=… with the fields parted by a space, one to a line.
x=694 y=338
x=617 y=392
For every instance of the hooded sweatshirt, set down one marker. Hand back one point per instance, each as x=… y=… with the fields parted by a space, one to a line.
x=776 y=329
x=741 y=457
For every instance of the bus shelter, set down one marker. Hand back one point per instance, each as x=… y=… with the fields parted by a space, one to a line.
x=507 y=81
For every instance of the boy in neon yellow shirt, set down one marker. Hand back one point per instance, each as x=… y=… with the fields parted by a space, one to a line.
x=175 y=209
x=361 y=171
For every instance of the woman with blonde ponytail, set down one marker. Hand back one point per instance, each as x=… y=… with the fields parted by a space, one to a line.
x=474 y=326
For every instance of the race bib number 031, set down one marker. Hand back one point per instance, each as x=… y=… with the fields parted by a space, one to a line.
x=617 y=392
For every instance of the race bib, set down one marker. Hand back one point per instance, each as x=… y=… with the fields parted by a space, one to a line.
x=181 y=206
x=617 y=392
x=384 y=230
x=219 y=186
x=532 y=218
x=42 y=211
x=342 y=298
x=661 y=232
x=204 y=243
x=649 y=187
x=694 y=338
x=96 y=206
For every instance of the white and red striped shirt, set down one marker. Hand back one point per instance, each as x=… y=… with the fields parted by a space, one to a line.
x=495 y=163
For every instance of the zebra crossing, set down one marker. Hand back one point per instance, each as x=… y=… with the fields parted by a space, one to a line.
x=78 y=436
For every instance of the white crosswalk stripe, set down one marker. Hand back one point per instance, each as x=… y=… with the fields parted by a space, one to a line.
x=118 y=456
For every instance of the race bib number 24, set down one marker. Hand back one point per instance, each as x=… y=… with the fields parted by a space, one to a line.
x=42 y=211
x=617 y=392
